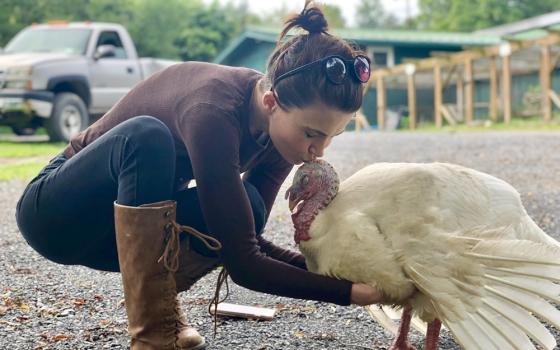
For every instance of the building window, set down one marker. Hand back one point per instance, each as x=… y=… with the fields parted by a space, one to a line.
x=381 y=56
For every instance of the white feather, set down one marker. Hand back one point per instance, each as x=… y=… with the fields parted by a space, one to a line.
x=459 y=236
x=382 y=318
x=523 y=320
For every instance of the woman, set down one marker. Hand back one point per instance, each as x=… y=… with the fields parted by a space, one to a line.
x=115 y=199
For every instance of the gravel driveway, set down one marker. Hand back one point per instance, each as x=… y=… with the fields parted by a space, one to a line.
x=48 y=306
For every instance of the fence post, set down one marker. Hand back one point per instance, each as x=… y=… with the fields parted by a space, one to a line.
x=410 y=69
x=381 y=103
x=469 y=91
x=545 y=83
x=493 y=107
x=438 y=98
x=505 y=53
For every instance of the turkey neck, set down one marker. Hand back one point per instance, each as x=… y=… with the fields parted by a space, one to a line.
x=307 y=211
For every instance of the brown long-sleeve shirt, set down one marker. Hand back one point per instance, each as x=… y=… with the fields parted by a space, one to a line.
x=206 y=108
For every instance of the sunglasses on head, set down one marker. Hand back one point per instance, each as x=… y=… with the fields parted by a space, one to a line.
x=336 y=69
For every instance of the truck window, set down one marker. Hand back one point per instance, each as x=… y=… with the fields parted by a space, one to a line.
x=112 y=38
x=65 y=40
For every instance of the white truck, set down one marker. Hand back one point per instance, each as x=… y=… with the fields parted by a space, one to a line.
x=63 y=75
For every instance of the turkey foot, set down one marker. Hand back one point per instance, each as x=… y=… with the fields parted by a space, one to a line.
x=404 y=345
x=432 y=335
x=401 y=339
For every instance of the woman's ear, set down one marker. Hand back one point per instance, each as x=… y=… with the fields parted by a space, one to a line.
x=268 y=101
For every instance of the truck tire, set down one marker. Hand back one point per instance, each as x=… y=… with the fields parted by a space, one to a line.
x=69 y=116
x=25 y=131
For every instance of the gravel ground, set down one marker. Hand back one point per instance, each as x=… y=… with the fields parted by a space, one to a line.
x=48 y=306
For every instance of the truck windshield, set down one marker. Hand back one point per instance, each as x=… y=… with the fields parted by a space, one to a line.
x=60 y=40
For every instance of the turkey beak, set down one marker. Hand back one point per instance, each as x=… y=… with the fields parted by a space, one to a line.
x=292 y=204
x=293 y=198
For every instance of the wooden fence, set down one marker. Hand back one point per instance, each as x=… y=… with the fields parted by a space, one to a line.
x=457 y=68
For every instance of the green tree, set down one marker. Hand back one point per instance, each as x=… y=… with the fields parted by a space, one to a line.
x=156 y=25
x=371 y=14
x=333 y=14
x=277 y=17
x=210 y=29
x=460 y=15
x=160 y=28
x=17 y=14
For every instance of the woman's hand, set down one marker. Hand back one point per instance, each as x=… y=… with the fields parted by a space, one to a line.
x=363 y=294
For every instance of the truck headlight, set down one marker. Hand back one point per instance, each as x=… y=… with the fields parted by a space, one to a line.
x=18 y=77
x=19 y=71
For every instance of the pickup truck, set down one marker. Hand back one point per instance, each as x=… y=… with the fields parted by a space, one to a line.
x=64 y=75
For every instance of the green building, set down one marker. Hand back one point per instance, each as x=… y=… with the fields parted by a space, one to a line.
x=388 y=48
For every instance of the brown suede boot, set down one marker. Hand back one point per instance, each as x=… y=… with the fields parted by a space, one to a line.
x=148 y=246
x=192 y=266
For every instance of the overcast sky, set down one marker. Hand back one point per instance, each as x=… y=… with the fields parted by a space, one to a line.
x=396 y=7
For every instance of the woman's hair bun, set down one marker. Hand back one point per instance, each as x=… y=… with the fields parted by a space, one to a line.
x=311 y=19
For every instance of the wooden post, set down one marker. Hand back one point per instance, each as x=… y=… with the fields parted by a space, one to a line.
x=381 y=104
x=460 y=94
x=438 y=97
x=554 y=98
x=411 y=101
x=506 y=88
x=361 y=121
x=448 y=116
x=545 y=83
x=493 y=108
x=469 y=92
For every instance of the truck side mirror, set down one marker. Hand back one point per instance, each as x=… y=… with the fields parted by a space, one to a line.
x=105 y=51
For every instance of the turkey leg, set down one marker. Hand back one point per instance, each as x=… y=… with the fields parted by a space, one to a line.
x=432 y=335
x=401 y=339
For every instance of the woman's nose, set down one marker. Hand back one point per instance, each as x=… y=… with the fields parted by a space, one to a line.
x=316 y=151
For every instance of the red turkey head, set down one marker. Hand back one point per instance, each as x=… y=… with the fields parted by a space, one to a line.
x=314 y=186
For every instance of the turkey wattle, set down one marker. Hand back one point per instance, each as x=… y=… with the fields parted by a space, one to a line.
x=460 y=237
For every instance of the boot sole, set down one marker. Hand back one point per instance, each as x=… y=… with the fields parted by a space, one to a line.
x=198 y=347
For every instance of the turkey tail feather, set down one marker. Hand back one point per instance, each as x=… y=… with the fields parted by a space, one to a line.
x=487 y=293
x=387 y=316
x=523 y=320
x=378 y=314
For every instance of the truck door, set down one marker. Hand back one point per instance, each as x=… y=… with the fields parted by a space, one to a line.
x=111 y=77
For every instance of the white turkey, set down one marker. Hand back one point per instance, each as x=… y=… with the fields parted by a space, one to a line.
x=462 y=238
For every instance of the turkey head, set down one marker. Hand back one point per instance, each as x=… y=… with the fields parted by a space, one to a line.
x=314 y=186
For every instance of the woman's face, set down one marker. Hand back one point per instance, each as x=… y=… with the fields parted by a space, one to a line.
x=303 y=134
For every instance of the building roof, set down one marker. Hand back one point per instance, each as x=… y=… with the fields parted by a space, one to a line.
x=547 y=21
x=374 y=37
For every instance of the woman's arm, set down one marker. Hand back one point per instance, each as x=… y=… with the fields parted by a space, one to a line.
x=278 y=253
x=212 y=141
x=267 y=177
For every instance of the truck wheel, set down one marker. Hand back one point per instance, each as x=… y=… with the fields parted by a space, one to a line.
x=26 y=131
x=69 y=116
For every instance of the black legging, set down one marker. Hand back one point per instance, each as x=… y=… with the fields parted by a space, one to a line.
x=66 y=212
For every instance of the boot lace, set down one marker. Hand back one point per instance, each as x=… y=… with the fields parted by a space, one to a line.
x=170 y=259
x=222 y=277
x=170 y=256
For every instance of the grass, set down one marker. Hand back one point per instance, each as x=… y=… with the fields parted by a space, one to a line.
x=535 y=123
x=29 y=149
x=5 y=130
x=24 y=171
x=13 y=162
x=14 y=165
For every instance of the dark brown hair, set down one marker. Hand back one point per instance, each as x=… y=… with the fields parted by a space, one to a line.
x=310 y=86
